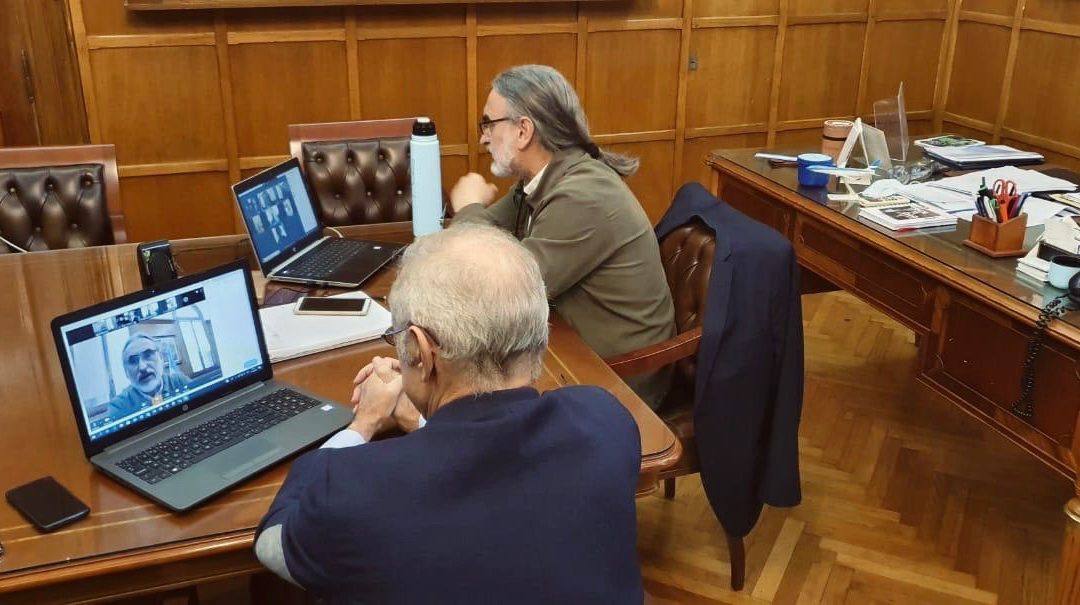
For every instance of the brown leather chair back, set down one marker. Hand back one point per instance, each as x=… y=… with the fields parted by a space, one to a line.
x=687 y=256
x=59 y=197
x=358 y=171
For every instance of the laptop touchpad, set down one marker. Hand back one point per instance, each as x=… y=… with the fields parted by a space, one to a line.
x=243 y=458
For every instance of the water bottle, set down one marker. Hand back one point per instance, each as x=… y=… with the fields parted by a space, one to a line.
x=426 y=178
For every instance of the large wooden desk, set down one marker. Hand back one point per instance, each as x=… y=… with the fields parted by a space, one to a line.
x=972 y=314
x=130 y=545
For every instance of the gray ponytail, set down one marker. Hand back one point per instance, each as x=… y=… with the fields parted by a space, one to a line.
x=542 y=94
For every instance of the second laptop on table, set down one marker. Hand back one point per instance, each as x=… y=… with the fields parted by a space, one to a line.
x=287 y=234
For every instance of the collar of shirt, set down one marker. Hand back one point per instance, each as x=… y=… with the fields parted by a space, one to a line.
x=535 y=181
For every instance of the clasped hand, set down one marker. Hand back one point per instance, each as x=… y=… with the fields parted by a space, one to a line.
x=379 y=402
x=472 y=189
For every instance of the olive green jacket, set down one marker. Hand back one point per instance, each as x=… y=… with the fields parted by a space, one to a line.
x=598 y=255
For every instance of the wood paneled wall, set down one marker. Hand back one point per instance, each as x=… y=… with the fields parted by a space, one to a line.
x=1014 y=75
x=195 y=100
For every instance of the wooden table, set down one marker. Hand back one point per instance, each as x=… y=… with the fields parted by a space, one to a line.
x=972 y=314
x=129 y=545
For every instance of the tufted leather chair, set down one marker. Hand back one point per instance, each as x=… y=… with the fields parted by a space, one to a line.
x=59 y=197
x=687 y=256
x=358 y=171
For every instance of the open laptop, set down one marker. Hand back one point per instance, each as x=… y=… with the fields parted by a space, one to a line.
x=287 y=234
x=173 y=391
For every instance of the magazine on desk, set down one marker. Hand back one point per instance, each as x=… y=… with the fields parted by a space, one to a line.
x=909 y=216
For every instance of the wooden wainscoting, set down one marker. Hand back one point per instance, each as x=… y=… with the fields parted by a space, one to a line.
x=196 y=99
x=1014 y=75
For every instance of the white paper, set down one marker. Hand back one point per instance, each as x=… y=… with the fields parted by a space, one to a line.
x=289 y=335
x=1038 y=210
x=1027 y=181
x=945 y=199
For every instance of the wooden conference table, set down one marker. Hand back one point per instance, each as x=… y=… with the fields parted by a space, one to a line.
x=129 y=545
x=972 y=314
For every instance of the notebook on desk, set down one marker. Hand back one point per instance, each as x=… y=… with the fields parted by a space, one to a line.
x=286 y=233
x=173 y=392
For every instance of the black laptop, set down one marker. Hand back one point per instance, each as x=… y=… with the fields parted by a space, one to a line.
x=173 y=391
x=287 y=234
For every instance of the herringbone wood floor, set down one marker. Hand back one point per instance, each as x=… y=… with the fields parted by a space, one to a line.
x=906 y=499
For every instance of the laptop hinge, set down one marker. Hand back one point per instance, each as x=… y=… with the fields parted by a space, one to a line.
x=131 y=441
x=298 y=254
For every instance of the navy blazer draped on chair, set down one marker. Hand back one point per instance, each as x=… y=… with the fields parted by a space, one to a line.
x=749 y=383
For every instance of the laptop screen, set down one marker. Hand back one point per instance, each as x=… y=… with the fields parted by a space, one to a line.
x=277 y=210
x=133 y=362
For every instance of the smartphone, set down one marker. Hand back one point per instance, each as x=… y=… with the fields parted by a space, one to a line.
x=47 y=504
x=322 y=305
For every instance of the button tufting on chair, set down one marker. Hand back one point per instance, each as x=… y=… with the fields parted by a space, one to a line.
x=357 y=180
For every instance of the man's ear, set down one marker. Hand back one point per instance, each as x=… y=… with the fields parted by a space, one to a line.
x=526 y=132
x=425 y=353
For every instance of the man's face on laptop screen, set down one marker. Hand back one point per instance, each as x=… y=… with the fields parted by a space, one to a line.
x=143 y=364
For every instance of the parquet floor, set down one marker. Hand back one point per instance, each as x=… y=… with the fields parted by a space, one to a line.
x=906 y=499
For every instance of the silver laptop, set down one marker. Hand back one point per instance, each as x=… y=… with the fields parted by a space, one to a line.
x=286 y=233
x=173 y=392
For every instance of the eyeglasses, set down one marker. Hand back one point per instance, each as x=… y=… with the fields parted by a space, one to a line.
x=391 y=334
x=486 y=123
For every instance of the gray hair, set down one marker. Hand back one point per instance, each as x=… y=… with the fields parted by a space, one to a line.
x=544 y=95
x=479 y=293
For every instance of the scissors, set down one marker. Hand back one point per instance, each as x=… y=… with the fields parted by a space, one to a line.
x=1006 y=195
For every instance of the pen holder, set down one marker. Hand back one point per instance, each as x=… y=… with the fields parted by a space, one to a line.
x=997 y=239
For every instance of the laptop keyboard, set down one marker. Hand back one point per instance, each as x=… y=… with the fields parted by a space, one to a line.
x=325 y=259
x=198 y=443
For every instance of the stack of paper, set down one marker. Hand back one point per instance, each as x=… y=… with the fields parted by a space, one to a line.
x=289 y=335
x=945 y=199
x=912 y=216
x=1027 y=181
x=982 y=155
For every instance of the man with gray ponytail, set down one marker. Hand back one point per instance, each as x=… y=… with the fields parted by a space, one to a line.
x=595 y=246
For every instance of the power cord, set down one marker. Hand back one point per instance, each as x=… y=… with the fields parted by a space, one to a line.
x=335 y=231
x=1024 y=407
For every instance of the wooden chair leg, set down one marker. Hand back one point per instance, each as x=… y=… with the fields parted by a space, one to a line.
x=737 y=555
x=669 y=488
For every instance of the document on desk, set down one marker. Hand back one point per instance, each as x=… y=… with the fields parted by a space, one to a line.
x=1038 y=210
x=289 y=335
x=1027 y=181
x=946 y=199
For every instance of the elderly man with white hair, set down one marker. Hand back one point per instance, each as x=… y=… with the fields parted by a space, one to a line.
x=504 y=494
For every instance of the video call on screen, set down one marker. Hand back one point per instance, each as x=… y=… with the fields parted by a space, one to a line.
x=138 y=361
x=278 y=213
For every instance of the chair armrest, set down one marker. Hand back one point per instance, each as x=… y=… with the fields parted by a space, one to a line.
x=654 y=357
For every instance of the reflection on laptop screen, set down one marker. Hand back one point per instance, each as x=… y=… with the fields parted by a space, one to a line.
x=278 y=213
x=134 y=362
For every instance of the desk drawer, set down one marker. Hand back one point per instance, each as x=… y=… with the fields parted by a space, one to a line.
x=756 y=205
x=904 y=293
x=978 y=357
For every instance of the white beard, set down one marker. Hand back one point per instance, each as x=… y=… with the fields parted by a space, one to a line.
x=501 y=164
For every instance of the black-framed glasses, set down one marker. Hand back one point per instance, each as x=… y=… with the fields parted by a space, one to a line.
x=391 y=334
x=486 y=123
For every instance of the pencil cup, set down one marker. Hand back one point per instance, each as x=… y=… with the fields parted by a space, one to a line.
x=997 y=239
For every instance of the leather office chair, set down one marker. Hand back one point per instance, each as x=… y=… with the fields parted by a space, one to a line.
x=60 y=197
x=359 y=171
x=687 y=257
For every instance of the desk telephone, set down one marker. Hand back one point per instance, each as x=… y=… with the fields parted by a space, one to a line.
x=1055 y=308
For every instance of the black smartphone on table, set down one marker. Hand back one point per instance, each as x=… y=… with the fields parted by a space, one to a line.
x=47 y=504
